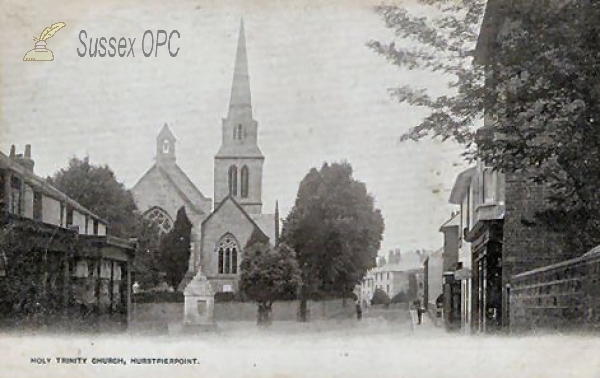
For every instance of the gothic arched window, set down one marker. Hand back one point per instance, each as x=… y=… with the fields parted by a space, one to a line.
x=233 y=180
x=245 y=180
x=161 y=218
x=228 y=250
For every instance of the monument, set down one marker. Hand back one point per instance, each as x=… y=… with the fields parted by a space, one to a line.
x=199 y=303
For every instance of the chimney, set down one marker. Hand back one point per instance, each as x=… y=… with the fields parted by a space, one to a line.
x=26 y=160
x=12 y=151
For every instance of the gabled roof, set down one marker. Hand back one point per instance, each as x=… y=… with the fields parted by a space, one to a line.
x=230 y=198
x=43 y=186
x=180 y=182
x=454 y=221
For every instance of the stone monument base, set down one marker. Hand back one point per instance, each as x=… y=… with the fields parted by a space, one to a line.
x=199 y=303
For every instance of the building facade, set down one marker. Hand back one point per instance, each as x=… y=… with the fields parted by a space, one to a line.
x=57 y=262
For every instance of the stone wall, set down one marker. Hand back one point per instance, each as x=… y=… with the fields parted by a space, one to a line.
x=153 y=317
x=561 y=296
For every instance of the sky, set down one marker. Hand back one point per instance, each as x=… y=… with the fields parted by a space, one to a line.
x=319 y=94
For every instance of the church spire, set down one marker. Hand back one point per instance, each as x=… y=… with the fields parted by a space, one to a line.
x=240 y=88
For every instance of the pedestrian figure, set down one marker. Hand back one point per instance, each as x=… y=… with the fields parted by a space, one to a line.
x=358 y=311
x=420 y=310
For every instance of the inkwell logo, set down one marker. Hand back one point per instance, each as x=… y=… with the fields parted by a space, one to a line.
x=40 y=52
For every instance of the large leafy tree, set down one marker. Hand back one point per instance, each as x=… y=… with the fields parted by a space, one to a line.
x=97 y=188
x=533 y=74
x=269 y=274
x=175 y=249
x=335 y=230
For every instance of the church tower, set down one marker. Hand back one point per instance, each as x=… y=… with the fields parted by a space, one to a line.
x=239 y=161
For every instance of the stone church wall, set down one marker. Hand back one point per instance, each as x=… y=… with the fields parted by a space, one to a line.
x=228 y=219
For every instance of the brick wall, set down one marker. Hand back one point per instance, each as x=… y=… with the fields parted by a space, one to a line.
x=558 y=297
x=527 y=244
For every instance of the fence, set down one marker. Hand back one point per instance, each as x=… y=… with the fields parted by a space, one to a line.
x=561 y=296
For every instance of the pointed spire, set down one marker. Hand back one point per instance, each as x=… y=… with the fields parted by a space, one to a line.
x=276 y=222
x=165 y=145
x=240 y=88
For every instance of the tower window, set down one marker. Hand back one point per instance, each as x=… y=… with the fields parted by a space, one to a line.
x=165 y=147
x=239 y=131
x=228 y=255
x=233 y=180
x=244 y=180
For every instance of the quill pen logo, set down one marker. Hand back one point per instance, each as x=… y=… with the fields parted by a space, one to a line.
x=40 y=52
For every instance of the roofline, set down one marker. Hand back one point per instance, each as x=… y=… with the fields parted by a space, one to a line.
x=49 y=189
x=230 y=197
x=462 y=179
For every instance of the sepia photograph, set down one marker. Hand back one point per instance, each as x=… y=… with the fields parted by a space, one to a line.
x=342 y=188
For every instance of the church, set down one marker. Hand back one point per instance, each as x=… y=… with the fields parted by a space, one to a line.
x=220 y=232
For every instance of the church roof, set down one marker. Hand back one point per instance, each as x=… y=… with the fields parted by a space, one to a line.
x=266 y=223
x=181 y=183
x=263 y=228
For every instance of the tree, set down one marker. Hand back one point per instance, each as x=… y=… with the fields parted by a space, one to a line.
x=400 y=298
x=534 y=75
x=334 y=229
x=97 y=188
x=175 y=249
x=268 y=275
x=380 y=298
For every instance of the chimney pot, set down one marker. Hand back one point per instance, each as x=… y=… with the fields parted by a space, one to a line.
x=28 y=151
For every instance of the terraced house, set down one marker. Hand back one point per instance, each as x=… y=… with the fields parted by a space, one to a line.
x=57 y=260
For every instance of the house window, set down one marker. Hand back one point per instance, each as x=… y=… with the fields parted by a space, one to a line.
x=69 y=216
x=244 y=179
x=37 y=206
x=15 y=203
x=228 y=250
x=489 y=185
x=2 y=191
x=161 y=218
x=232 y=180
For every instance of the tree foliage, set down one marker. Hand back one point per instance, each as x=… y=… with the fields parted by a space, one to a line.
x=175 y=249
x=269 y=274
x=98 y=189
x=335 y=230
x=380 y=297
x=535 y=78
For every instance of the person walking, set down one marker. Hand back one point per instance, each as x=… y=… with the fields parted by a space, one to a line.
x=420 y=310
